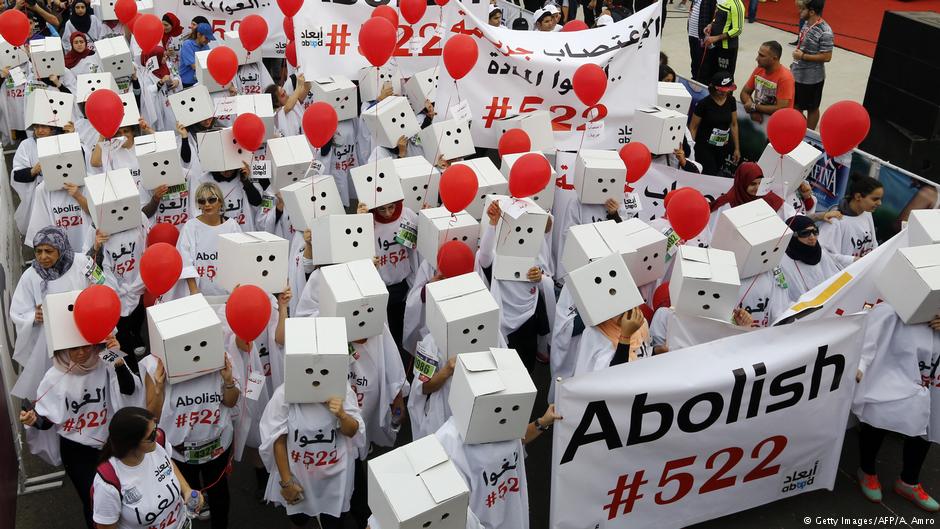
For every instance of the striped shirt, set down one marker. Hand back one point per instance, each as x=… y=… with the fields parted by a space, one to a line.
x=814 y=39
x=693 y=18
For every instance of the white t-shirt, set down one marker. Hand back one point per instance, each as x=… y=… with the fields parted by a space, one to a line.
x=198 y=246
x=150 y=494
x=396 y=261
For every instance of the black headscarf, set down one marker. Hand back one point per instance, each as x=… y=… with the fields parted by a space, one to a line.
x=81 y=23
x=798 y=251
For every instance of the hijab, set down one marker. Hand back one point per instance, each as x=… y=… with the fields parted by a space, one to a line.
x=397 y=213
x=56 y=238
x=81 y=23
x=72 y=58
x=797 y=250
x=63 y=362
x=162 y=69
x=175 y=31
x=747 y=172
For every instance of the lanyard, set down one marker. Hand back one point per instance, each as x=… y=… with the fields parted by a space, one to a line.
x=799 y=44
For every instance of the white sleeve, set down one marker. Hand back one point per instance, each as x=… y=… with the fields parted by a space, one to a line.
x=487 y=249
x=106 y=508
x=40 y=214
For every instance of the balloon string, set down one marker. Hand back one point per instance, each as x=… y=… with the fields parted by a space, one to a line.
x=375 y=171
x=777 y=245
x=56 y=383
x=427 y=183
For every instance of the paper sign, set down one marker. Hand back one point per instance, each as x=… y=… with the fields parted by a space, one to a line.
x=315 y=169
x=225 y=106
x=414 y=45
x=152 y=64
x=254 y=385
x=17 y=76
x=461 y=111
x=260 y=170
x=631 y=202
x=512 y=207
x=111 y=355
x=594 y=129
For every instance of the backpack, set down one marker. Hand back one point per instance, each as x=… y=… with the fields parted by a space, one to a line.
x=109 y=475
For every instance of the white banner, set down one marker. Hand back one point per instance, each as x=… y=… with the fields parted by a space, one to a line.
x=225 y=15
x=659 y=180
x=327 y=37
x=653 y=443
x=523 y=71
x=850 y=291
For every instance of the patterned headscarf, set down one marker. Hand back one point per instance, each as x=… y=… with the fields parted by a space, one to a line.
x=56 y=238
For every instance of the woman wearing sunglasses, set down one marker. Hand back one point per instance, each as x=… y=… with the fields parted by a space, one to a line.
x=198 y=240
x=805 y=264
x=137 y=485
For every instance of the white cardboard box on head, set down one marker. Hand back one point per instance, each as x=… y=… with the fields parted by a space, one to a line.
x=144 y=7
x=489 y=182
x=48 y=58
x=219 y=151
x=421 y=87
x=520 y=231
x=910 y=282
x=437 y=226
x=491 y=396
x=755 y=234
x=186 y=335
x=391 y=119
x=450 y=139
x=89 y=82
x=420 y=181
x=192 y=105
x=203 y=76
x=355 y=291
x=603 y=289
x=598 y=176
x=648 y=262
x=59 y=322
x=131 y=112
x=372 y=79
x=461 y=314
x=923 y=227
x=704 y=283
x=159 y=160
x=115 y=56
x=585 y=243
x=537 y=124
x=417 y=486
x=244 y=57
x=785 y=174
x=376 y=183
x=660 y=129
x=313 y=197
x=316 y=359
x=62 y=160
x=339 y=92
x=105 y=9
x=290 y=159
x=674 y=96
x=113 y=201
x=343 y=238
x=261 y=106
x=544 y=198
x=252 y=258
x=11 y=56
x=49 y=107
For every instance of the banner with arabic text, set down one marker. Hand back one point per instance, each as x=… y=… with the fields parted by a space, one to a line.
x=653 y=443
x=225 y=15
x=524 y=71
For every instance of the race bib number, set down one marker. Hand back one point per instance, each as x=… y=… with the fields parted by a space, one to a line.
x=779 y=278
x=425 y=366
x=719 y=137
x=267 y=202
x=407 y=234
x=672 y=243
x=179 y=190
x=353 y=352
x=199 y=454
x=94 y=273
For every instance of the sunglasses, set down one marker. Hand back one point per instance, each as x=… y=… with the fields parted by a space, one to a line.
x=207 y=200
x=152 y=437
x=807 y=232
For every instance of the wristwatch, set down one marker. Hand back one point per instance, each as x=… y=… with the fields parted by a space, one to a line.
x=539 y=427
x=285 y=484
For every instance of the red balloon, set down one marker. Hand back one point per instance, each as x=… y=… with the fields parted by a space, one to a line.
x=160 y=268
x=387 y=13
x=148 y=299
x=290 y=52
x=222 y=64
x=163 y=232
x=529 y=175
x=673 y=193
x=647 y=311
x=637 y=158
x=289 y=7
x=130 y=25
x=460 y=54
x=458 y=187
x=14 y=27
x=105 y=110
x=661 y=296
x=289 y=28
x=253 y=31
x=247 y=311
x=377 y=40
x=125 y=11
x=454 y=258
x=148 y=30
x=248 y=130
x=786 y=129
x=514 y=141
x=589 y=83
x=441 y=3
x=413 y=10
x=574 y=25
x=319 y=123
x=97 y=310
x=843 y=126
x=688 y=213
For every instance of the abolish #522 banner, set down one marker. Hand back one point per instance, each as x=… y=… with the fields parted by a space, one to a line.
x=706 y=431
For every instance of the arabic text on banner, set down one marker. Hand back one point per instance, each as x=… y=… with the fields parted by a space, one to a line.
x=523 y=71
x=653 y=443
x=225 y=15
